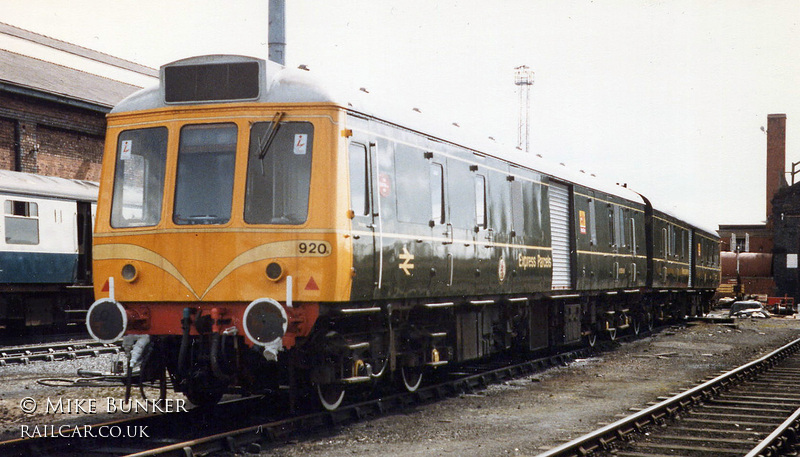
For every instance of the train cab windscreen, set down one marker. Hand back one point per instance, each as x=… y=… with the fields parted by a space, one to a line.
x=139 y=177
x=204 y=184
x=278 y=173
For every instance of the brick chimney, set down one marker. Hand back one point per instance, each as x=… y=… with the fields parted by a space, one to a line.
x=776 y=158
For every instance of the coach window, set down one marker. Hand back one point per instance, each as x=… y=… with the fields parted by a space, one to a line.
x=619 y=226
x=592 y=222
x=670 y=240
x=22 y=222
x=437 y=193
x=412 y=184
x=612 y=226
x=204 y=186
x=139 y=177
x=674 y=241
x=279 y=173
x=359 y=180
x=518 y=207
x=460 y=204
x=480 y=201
x=683 y=244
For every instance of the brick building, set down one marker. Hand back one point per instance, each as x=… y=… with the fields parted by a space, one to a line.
x=53 y=100
x=786 y=224
x=749 y=251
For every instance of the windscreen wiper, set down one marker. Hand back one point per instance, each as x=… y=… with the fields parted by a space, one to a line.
x=270 y=135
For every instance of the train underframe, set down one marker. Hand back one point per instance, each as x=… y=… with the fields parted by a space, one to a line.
x=48 y=308
x=355 y=348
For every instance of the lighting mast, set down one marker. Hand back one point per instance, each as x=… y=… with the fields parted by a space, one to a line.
x=523 y=78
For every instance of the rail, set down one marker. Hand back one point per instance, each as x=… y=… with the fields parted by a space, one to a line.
x=603 y=438
x=55 y=351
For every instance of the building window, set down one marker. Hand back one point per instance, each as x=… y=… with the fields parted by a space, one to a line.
x=740 y=243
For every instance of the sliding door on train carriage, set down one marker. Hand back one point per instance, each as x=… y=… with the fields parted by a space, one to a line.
x=366 y=223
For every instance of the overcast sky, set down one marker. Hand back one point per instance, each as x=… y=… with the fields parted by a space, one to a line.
x=666 y=96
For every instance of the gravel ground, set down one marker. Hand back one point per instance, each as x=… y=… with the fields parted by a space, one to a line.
x=520 y=417
x=528 y=416
x=69 y=403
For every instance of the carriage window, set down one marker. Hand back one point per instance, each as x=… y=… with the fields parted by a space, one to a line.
x=670 y=241
x=683 y=244
x=619 y=227
x=592 y=223
x=204 y=186
x=518 y=207
x=412 y=186
x=612 y=227
x=359 y=180
x=139 y=177
x=480 y=201
x=22 y=222
x=279 y=173
x=437 y=193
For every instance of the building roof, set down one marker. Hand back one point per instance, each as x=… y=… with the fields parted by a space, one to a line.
x=70 y=48
x=24 y=74
x=43 y=75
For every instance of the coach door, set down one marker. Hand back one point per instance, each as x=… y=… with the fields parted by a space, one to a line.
x=442 y=232
x=84 y=231
x=366 y=230
x=559 y=232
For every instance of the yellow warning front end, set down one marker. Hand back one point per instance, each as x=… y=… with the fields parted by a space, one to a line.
x=221 y=209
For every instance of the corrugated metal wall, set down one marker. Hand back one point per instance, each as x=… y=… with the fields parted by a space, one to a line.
x=559 y=229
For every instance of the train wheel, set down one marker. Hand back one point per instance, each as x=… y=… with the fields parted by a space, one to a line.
x=636 y=326
x=412 y=378
x=612 y=334
x=382 y=369
x=591 y=339
x=330 y=395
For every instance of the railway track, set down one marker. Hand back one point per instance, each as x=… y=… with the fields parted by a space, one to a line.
x=55 y=351
x=254 y=422
x=753 y=410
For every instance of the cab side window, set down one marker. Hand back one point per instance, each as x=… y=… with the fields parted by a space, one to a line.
x=359 y=180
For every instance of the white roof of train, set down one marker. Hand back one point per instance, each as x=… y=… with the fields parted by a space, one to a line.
x=288 y=85
x=47 y=186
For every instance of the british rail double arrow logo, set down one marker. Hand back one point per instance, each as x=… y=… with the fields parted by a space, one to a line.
x=407 y=257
